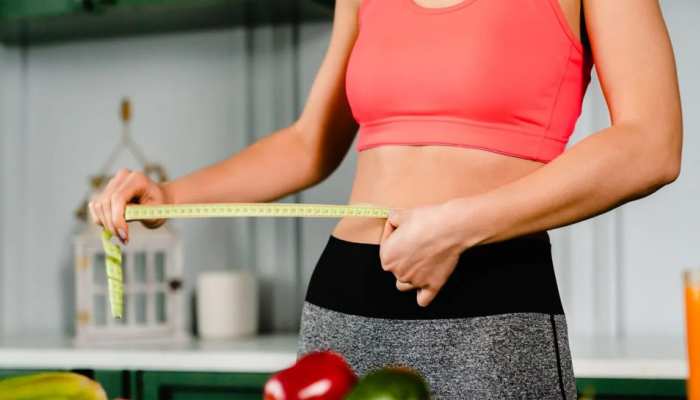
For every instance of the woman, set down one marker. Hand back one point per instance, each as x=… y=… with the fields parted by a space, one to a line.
x=464 y=108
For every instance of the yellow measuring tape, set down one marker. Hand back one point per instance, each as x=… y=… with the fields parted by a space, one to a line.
x=226 y=210
x=115 y=278
x=113 y=255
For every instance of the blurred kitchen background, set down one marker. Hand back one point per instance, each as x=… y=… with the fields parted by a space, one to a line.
x=208 y=77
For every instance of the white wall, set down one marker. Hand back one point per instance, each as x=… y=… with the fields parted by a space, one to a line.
x=200 y=96
x=621 y=271
x=662 y=234
x=11 y=144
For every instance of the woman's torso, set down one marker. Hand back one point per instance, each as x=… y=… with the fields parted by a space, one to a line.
x=407 y=176
x=410 y=176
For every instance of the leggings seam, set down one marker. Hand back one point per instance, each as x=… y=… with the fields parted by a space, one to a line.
x=556 y=352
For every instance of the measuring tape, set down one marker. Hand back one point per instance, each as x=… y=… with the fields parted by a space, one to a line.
x=228 y=210
x=115 y=278
x=113 y=254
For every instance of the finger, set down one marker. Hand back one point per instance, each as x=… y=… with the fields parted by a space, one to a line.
x=404 y=273
x=133 y=186
x=388 y=229
x=114 y=183
x=425 y=296
x=97 y=205
x=93 y=213
x=404 y=286
x=117 y=217
x=117 y=180
x=98 y=202
x=105 y=207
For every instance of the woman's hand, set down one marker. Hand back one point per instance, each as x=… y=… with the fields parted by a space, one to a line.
x=421 y=247
x=107 y=208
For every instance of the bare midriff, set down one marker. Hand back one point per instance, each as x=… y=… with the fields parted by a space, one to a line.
x=404 y=176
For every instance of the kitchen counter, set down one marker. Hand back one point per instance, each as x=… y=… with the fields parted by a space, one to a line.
x=630 y=358
x=593 y=357
x=265 y=353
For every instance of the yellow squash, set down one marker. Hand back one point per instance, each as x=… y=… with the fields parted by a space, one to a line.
x=51 y=386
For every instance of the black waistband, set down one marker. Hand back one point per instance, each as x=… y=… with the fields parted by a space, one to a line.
x=515 y=275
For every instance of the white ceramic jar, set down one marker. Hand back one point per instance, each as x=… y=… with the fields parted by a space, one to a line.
x=227 y=304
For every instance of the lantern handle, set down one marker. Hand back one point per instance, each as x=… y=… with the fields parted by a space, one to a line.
x=126 y=141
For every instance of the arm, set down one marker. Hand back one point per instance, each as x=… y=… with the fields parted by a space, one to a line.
x=638 y=154
x=281 y=163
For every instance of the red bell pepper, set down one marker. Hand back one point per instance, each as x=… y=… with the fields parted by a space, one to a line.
x=323 y=375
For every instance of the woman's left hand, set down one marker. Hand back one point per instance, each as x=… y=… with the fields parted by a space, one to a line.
x=421 y=247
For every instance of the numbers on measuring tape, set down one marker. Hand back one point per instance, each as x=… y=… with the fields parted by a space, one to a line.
x=135 y=212
x=115 y=277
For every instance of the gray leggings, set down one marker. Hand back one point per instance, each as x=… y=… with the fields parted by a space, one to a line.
x=496 y=330
x=510 y=356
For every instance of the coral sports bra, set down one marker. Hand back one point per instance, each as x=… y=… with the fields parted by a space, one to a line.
x=499 y=75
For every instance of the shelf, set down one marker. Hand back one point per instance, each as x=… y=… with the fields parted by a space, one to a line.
x=43 y=21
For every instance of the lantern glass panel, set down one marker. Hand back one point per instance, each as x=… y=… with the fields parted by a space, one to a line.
x=99 y=309
x=126 y=268
x=160 y=307
x=99 y=274
x=160 y=266
x=140 y=267
x=140 y=307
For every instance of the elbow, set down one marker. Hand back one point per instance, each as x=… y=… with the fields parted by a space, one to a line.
x=323 y=168
x=674 y=153
x=656 y=172
x=670 y=171
x=655 y=153
x=669 y=153
x=318 y=173
x=311 y=158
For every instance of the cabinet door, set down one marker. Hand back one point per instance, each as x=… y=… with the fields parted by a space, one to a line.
x=41 y=21
x=114 y=382
x=613 y=388
x=26 y=9
x=38 y=8
x=201 y=385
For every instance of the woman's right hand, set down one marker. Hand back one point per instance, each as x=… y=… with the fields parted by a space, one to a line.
x=107 y=208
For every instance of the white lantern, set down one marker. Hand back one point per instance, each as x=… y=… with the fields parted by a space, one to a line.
x=154 y=306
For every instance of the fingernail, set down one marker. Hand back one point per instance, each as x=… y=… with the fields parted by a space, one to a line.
x=122 y=235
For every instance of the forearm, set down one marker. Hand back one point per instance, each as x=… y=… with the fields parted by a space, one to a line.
x=600 y=172
x=270 y=168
